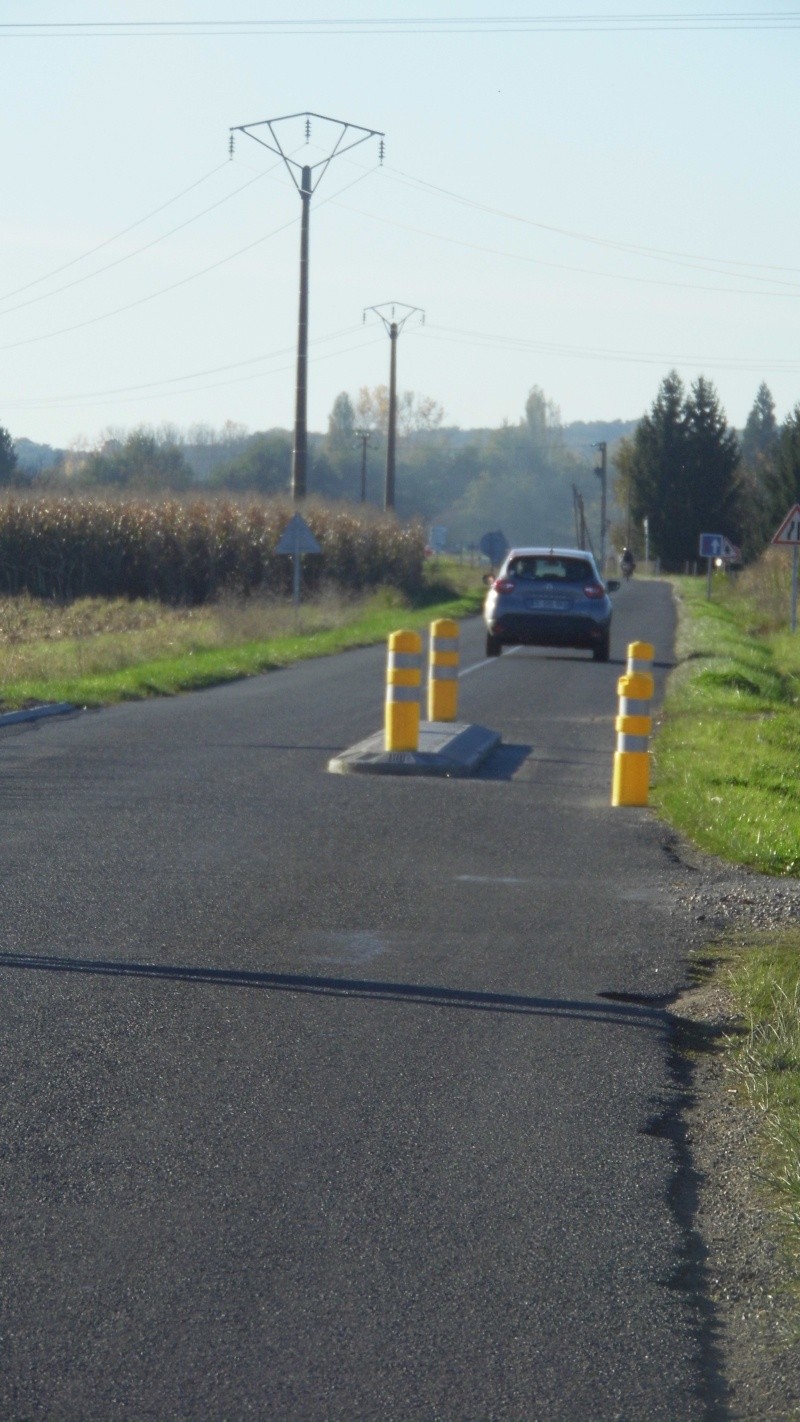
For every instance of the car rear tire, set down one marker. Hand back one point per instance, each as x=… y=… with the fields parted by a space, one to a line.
x=493 y=645
x=602 y=651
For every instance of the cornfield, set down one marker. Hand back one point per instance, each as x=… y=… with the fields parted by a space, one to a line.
x=190 y=552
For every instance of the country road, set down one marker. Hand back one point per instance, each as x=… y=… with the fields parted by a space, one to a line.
x=342 y=1097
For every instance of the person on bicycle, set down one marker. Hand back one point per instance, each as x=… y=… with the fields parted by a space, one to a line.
x=627 y=562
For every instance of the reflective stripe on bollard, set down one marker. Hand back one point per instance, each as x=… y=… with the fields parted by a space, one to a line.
x=403 y=691
x=631 y=781
x=443 y=670
x=640 y=657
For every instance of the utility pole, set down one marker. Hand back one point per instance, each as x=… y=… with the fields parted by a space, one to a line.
x=602 y=475
x=393 y=327
x=345 y=137
x=363 y=436
x=581 y=526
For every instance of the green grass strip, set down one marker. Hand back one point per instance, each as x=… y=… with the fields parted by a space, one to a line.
x=727 y=752
x=203 y=667
x=764 y=979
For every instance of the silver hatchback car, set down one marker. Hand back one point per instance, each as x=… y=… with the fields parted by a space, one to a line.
x=549 y=597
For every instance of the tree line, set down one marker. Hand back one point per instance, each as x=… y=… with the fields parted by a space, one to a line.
x=518 y=476
x=688 y=472
x=681 y=466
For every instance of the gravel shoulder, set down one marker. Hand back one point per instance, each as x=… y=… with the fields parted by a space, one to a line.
x=741 y=1268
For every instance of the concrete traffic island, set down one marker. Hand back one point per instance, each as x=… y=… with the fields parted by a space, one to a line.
x=407 y=745
x=445 y=748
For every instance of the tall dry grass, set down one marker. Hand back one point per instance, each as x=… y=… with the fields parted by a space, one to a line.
x=42 y=640
x=192 y=551
x=766 y=585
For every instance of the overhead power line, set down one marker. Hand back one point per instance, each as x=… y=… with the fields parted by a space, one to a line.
x=156 y=389
x=526 y=346
x=128 y=256
x=635 y=249
x=790 y=289
x=115 y=237
x=581 y=23
x=151 y=296
x=173 y=286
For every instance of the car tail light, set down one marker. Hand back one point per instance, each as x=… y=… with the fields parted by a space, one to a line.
x=503 y=585
x=594 y=590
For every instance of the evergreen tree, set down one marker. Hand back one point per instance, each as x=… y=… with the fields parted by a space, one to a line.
x=759 y=452
x=8 y=457
x=682 y=473
x=783 y=479
x=658 y=473
x=760 y=434
x=714 y=488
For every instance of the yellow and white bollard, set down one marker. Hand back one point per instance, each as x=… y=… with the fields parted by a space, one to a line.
x=403 y=691
x=640 y=657
x=443 y=670
x=631 y=783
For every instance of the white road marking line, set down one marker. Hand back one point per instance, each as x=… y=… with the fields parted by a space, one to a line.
x=487 y=879
x=488 y=662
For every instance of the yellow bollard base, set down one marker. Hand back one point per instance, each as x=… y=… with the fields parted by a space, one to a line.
x=443 y=701
x=401 y=726
x=631 y=782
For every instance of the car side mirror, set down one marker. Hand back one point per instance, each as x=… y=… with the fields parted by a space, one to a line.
x=613 y=585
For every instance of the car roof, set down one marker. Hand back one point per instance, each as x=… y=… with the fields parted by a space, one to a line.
x=547 y=551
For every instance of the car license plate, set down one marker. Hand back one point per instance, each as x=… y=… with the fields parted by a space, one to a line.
x=547 y=604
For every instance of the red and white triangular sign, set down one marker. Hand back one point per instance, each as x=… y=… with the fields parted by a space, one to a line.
x=789 y=531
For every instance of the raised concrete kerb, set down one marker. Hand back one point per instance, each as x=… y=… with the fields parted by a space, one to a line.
x=446 y=748
x=37 y=713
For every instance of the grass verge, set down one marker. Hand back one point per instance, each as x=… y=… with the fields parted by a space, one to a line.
x=728 y=747
x=726 y=776
x=766 y=985
x=764 y=981
x=96 y=653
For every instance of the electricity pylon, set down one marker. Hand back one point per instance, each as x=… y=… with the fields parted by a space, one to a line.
x=394 y=327
x=349 y=136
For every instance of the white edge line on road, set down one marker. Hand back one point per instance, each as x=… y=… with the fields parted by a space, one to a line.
x=487 y=662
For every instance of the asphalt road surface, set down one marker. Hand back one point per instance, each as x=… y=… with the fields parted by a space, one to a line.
x=341 y=1096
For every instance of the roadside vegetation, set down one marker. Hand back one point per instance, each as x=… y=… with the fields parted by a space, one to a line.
x=97 y=651
x=727 y=756
x=728 y=748
x=764 y=980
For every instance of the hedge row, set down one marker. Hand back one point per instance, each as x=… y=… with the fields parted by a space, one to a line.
x=192 y=551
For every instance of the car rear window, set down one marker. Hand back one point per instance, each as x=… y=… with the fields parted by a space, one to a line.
x=551 y=569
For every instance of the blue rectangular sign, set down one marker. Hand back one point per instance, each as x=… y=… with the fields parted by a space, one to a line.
x=711 y=545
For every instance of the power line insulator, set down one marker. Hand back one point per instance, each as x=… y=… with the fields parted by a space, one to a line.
x=381 y=151
x=308 y=129
x=231 y=146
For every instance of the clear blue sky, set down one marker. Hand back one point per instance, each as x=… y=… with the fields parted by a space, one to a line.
x=579 y=204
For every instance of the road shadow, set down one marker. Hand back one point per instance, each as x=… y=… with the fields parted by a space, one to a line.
x=503 y=763
x=646 y=1014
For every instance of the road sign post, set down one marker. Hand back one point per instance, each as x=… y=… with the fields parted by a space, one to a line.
x=716 y=548
x=788 y=536
x=296 y=540
x=710 y=549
